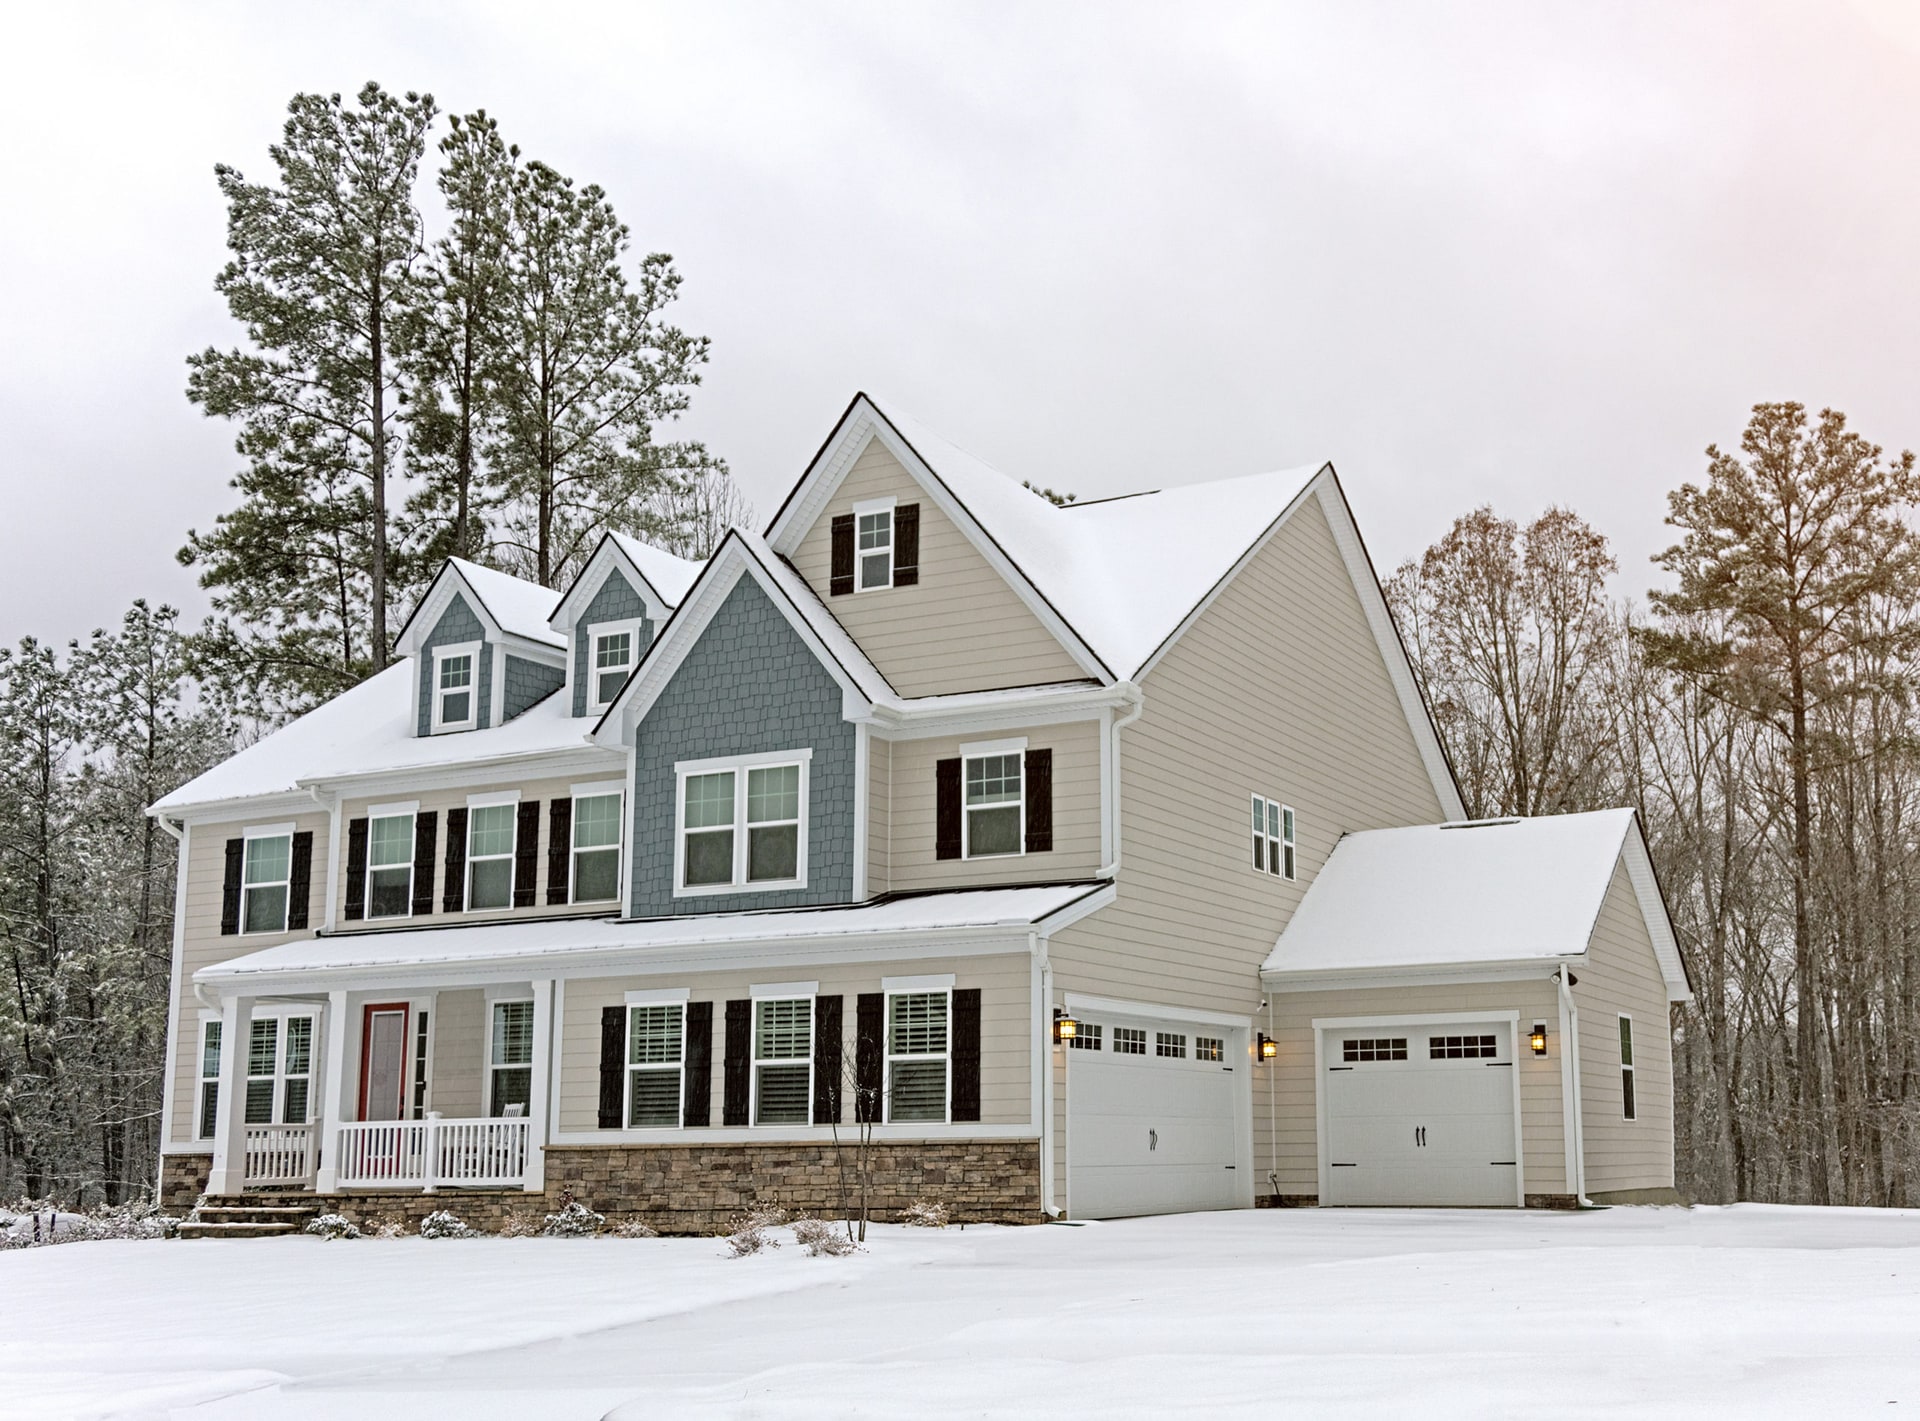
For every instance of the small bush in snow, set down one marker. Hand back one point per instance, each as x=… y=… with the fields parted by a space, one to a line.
x=389 y=1228
x=38 y=1224
x=521 y=1225
x=925 y=1215
x=333 y=1226
x=575 y=1220
x=750 y=1234
x=442 y=1223
x=633 y=1228
x=823 y=1238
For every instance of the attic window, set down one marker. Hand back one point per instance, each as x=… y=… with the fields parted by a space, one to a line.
x=875 y=533
x=455 y=698
x=614 y=647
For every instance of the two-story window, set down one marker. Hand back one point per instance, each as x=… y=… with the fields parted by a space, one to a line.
x=613 y=649
x=267 y=879
x=783 y=1061
x=742 y=823
x=595 y=866
x=390 y=860
x=490 y=852
x=656 y=1060
x=456 y=689
x=1273 y=845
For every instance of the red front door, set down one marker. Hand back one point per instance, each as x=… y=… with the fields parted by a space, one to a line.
x=383 y=1063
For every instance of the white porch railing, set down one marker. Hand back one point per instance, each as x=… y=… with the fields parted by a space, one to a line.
x=424 y=1154
x=279 y=1154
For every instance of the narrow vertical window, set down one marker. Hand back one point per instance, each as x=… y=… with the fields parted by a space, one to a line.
x=262 y=1050
x=296 y=1070
x=490 y=845
x=390 y=866
x=454 y=703
x=708 y=827
x=1627 y=1103
x=268 y=872
x=995 y=818
x=876 y=549
x=773 y=824
x=656 y=1037
x=209 y=1078
x=783 y=1061
x=510 y=1064
x=596 y=848
x=917 y=1056
x=1273 y=845
x=421 y=1040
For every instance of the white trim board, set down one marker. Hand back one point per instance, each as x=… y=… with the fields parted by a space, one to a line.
x=1078 y=1002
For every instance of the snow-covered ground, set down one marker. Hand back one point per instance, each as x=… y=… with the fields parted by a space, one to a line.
x=1748 y=1311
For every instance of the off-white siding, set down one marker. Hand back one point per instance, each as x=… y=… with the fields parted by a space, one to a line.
x=203 y=946
x=1278 y=689
x=961 y=628
x=1622 y=975
x=910 y=861
x=456 y=1083
x=1005 y=1027
x=879 y=815
x=1286 y=1141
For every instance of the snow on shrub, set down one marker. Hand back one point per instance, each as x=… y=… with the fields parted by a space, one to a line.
x=333 y=1226
x=520 y=1225
x=633 y=1228
x=823 y=1238
x=925 y=1215
x=443 y=1223
x=575 y=1220
x=40 y=1224
x=750 y=1234
x=389 y=1228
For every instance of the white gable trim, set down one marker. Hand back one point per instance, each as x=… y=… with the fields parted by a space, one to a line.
x=434 y=606
x=1653 y=908
x=864 y=422
x=588 y=583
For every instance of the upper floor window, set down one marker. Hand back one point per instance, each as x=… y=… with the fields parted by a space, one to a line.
x=1273 y=848
x=743 y=824
x=875 y=545
x=490 y=851
x=995 y=820
x=874 y=529
x=596 y=848
x=390 y=865
x=455 y=689
x=265 y=888
x=615 y=649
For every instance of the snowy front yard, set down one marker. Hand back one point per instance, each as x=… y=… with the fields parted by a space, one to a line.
x=1748 y=1311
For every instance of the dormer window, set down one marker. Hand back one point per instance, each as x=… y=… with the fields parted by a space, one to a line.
x=455 y=694
x=612 y=650
x=876 y=549
x=875 y=546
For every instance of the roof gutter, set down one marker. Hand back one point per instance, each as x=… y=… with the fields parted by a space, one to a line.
x=1135 y=699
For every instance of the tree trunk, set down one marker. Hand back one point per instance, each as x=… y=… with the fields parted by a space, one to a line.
x=379 y=472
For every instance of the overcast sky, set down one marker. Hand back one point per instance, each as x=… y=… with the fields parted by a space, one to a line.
x=1508 y=253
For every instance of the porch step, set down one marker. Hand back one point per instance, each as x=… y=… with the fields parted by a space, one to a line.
x=247 y=1219
x=238 y=1230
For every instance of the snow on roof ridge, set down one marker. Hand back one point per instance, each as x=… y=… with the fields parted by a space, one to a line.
x=521 y=608
x=672 y=576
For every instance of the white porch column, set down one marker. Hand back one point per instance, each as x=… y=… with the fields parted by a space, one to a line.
x=333 y=1095
x=228 y=1175
x=546 y=1042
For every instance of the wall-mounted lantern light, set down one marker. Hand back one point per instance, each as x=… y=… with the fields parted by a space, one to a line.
x=1539 y=1038
x=1268 y=1047
x=1065 y=1028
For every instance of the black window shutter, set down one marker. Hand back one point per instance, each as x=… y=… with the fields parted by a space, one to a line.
x=826 y=1060
x=946 y=809
x=526 y=854
x=356 y=870
x=559 y=843
x=738 y=1062
x=906 y=545
x=698 y=1109
x=230 y=889
x=840 y=576
x=966 y=1053
x=426 y=839
x=613 y=1065
x=299 y=881
x=870 y=1024
x=453 y=887
x=1039 y=801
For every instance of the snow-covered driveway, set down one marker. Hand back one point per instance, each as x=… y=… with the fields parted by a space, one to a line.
x=1747 y=1311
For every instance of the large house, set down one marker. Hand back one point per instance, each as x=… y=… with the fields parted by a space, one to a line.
x=1102 y=859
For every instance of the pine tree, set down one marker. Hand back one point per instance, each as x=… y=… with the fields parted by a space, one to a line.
x=323 y=280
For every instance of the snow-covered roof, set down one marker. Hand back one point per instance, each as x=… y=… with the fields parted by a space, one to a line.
x=520 y=608
x=367 y=730
x=974 y=913
x=672 y=577
x=1479 y=892
x=1123 y=572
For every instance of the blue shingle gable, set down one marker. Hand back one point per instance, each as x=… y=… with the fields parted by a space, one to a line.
x=748 y=685
x=616 y=601
x=457 y=624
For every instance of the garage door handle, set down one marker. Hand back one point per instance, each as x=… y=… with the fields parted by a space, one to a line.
x=1153 y=1139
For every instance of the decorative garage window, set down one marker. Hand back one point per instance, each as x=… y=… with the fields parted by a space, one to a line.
x=1087 y=1038
x=743 y=825
x=511 y=1064
x=209 y=1077
x=1272 y=837
x=917 y=1056
x=1628 y=1107
x=390 y=865
x=1461 y=1048
x=783 y=1061
x=655 y=1056
x=1209 y=1048
x=1374 y=1048
x=1170 y=1044
x=268 y=879
x=1128 y=1041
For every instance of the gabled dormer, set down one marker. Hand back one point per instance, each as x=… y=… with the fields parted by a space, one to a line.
x=611 y=613
x=482 y=649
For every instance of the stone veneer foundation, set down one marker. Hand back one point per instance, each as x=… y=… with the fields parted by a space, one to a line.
x=700 y=1189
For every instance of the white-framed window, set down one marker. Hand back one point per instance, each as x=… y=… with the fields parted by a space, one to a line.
x=1086 y=1037
x=510 y=1059
x=994 y=805
x=656 y=1046
x=390 y=860
x=492 y=828
x=1273 y=846
x=1629 y=1107
x=1374 y=1048
x=1129 y=1041
x=1170 y=1044
x=1209 y=1048
x=422 y=1061
x=1463 y=1048
x=279 y=1070
x=207 y=1110
x=456 y=687
x=266 y=879
x=596 y=827
x=783 y=1060
x=917 y=1054
x=873 y=544
x=613 y=650
x=742 y=823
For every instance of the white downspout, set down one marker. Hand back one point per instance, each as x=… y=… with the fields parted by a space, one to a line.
x=1044 y=1060
x=1570 y=1090
x=1132 y=694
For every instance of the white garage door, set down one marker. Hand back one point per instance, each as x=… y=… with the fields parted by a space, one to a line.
x=1151 y=1110
x=1420 y=1114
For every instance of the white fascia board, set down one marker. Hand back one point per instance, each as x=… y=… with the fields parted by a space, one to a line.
x=608 y=554
x=544 y=652
x=929 y=717
x=1653 y=908
x=1419 y=1018
x=233 y=811
x=587 y=759
x=434 y=605
x=1441 y=974
x=1064 y=918
x=864 y=421
x=1079 y=1002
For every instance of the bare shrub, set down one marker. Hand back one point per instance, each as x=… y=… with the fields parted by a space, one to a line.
x=820 y=1237
x=389 y=1228
x=521 y=1224
x=925 y=1214
x=633 y=1228
x=751 y=1231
